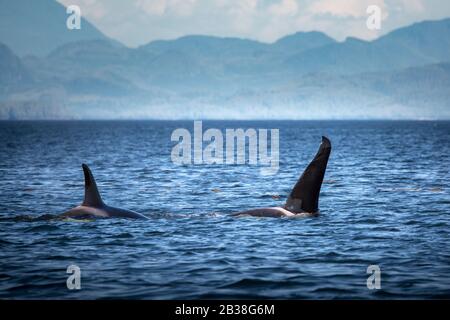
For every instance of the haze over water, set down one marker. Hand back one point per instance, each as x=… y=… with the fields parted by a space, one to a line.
x=385 y=201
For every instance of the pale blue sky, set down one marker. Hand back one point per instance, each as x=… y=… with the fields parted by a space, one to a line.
x=136 y=22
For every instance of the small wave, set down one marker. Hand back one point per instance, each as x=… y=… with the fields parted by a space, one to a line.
x=215 y=215
x=29 y=218
x=249 y=282
x=42 y=228
x=402 y=189
x=124 y=235
x=332 y=290
x=270 y=196
x=154 y=233
x=332 y=254
x=5 y=242
x=367 y=221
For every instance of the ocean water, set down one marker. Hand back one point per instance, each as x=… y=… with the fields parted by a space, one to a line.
x=385 y=201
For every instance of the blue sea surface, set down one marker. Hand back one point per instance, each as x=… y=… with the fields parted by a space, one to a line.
x=385 y=201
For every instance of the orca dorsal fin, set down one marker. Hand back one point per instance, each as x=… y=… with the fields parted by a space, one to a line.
x=92 y=197
x=304 y=196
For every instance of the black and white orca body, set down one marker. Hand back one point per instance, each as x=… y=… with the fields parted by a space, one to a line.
x=93 y=205
x=303 y=200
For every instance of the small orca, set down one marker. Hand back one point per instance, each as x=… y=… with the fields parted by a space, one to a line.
x=303 y=200
x=93 y=205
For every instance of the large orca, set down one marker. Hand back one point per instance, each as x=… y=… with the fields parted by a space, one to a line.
x=93 y=205
x=303 y=200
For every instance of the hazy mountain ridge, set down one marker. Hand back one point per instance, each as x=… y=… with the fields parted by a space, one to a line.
x=13 y=73
x=404 y=74
x=419 y=44
x=38 y=27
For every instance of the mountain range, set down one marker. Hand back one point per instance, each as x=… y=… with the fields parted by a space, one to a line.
x=50 y=72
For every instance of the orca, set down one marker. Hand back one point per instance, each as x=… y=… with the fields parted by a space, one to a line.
x=93 y=205
x=303 y=201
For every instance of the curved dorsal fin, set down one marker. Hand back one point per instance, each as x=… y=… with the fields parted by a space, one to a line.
x=305 y=195
x=91 y=195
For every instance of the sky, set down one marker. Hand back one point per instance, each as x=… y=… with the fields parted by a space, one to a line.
x=137 y=22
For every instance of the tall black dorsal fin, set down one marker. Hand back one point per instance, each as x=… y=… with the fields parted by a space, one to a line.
x=91 y=195
x=305 y=195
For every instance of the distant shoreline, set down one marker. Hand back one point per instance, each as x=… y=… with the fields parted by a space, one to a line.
x=225 y=120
